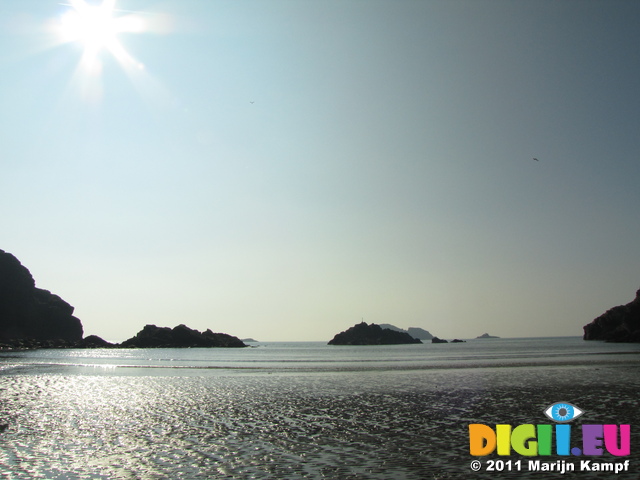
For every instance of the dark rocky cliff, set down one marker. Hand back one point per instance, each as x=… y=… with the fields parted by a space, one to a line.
x=31 y=317
x=29 y=314
x=618 y=324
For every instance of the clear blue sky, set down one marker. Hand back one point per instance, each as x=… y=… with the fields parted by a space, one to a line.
x=283 y=169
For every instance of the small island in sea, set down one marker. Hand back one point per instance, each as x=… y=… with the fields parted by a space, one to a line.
x=31 y=317
x=372 y=334
x=486 y=335
x=179 y=337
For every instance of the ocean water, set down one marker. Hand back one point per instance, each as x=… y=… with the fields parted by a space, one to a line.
x=301 y=410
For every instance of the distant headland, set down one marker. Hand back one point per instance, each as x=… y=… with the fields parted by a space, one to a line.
x=618 y=324
x=372 y=334
x=415 y=332
x=31 y=317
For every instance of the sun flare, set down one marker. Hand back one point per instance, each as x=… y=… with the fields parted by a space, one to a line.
x=97 y=28
x=93 y=26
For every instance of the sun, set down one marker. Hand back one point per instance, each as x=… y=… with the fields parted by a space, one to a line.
x=96 y=28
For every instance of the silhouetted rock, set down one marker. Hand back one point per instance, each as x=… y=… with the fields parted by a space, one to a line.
x=618 y=324
x=457 y=340
x=486 y=335
x=31 y=317
x=364 y=334
x=94 y=341
x=415 y=332
x=179 y=337
x=438 y=340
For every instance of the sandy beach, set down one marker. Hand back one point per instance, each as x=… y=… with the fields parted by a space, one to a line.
x=395 y=424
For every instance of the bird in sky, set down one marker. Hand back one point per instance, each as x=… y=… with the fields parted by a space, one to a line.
x=536 y=159
x=252 y=102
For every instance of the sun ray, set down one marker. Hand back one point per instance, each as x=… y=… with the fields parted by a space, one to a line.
x=93 y=26
x=96 y=29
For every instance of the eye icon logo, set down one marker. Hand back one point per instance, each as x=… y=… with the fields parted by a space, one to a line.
x=562 y=412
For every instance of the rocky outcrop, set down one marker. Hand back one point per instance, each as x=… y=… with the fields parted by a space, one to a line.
x=179 y=337
x=618 y=324
x=438 y=340
x=415 y=332
x=31 y=316
x=94 y=341
x=365 y=334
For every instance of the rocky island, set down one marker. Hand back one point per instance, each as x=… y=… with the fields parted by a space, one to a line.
x=486 y=335
x=179 y=337
x=372 y=334
x=618 y=324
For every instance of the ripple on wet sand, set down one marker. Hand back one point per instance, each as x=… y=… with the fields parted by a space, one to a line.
x=345 y=426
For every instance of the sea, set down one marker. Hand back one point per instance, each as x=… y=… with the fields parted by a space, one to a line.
x=308 y=410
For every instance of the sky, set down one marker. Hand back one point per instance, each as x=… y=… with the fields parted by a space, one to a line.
x=284 y=169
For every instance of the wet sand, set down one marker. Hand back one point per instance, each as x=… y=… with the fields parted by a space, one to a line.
x=370 y=425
